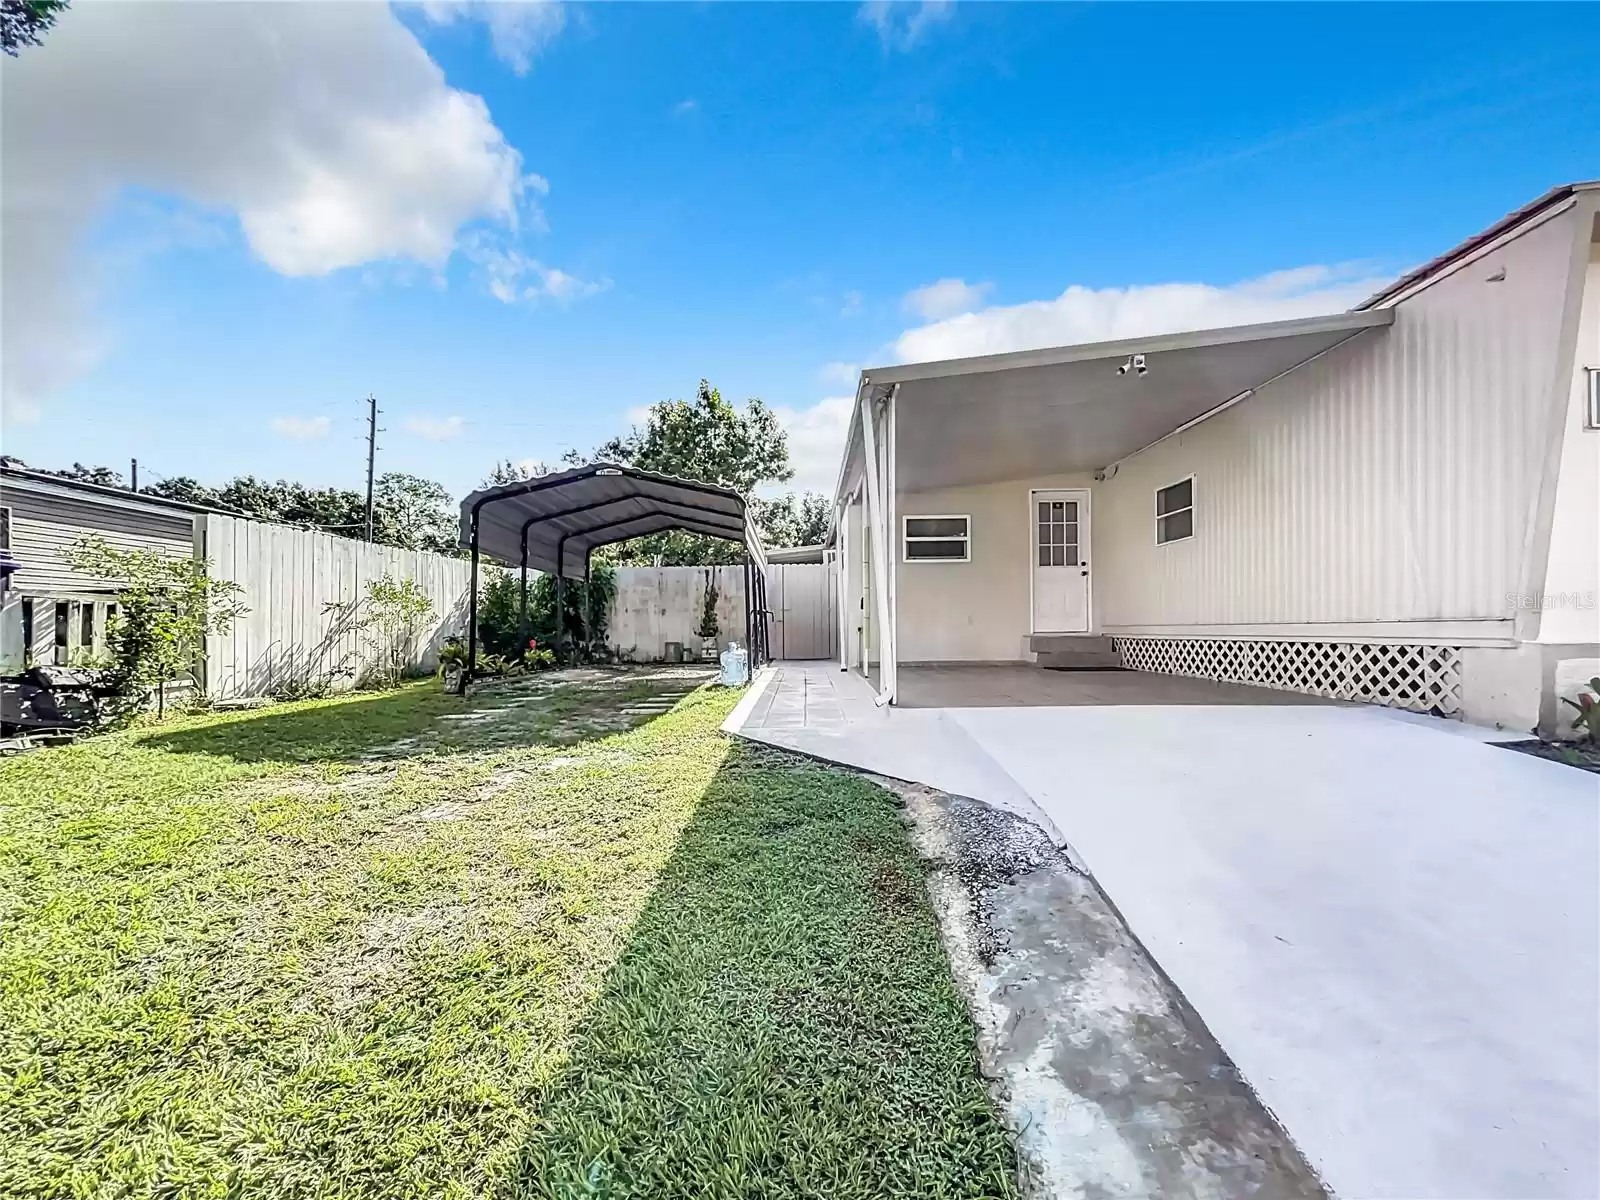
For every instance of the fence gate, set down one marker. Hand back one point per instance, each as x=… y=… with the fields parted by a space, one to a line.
x=805 y=615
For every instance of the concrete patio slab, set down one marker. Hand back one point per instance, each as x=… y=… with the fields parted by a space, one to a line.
x=1389 y=924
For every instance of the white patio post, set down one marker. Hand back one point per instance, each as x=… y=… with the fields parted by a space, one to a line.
x=878 y=520
x=841 y=581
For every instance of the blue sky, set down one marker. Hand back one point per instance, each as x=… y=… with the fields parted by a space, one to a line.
x=766 y=195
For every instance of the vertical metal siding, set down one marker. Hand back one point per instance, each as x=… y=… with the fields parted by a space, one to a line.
x=1389 y=480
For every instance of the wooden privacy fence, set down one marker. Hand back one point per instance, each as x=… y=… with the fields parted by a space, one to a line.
x=291 y=638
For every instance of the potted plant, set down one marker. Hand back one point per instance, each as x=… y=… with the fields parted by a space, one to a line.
x=452 y=661
x=706 y=631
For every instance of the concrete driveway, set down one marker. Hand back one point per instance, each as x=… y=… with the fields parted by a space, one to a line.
x=1390 y=926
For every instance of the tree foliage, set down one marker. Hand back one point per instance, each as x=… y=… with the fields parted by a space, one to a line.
x=166 y=608
x=509 y=470
x=793 y=519
x=586 y=614
x=25 y=22
x=390 y=619
x=707 y=440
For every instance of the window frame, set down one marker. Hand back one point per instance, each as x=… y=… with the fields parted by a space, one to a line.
x=1591 y=413
x=907 y=538
x=1164 y=516
x=5 y=526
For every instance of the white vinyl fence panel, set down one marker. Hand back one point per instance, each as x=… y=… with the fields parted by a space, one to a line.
x=290 y=578
x=657 y=605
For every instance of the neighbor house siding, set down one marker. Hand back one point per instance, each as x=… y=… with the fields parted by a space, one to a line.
x=1388 y=482
x=979 y=610
x=45 y=523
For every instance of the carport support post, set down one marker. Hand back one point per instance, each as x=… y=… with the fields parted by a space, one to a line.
x=472 y=613
x=522 y=614
x=749 y=650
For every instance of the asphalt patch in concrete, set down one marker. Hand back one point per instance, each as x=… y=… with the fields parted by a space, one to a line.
x=1110 y=1081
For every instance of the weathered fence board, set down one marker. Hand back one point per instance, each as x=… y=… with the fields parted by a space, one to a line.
x=290 y=578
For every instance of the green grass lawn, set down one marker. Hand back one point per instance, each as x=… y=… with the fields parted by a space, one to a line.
x=517 y=945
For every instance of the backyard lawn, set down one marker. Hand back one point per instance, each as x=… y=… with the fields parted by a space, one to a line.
x=562 y=939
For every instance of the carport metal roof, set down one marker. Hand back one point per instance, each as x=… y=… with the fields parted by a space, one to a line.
x=557 y=520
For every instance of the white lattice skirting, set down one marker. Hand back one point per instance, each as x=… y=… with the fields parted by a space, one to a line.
x=1422 y=678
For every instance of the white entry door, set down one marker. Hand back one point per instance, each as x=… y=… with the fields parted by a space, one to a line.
x=1060 y=562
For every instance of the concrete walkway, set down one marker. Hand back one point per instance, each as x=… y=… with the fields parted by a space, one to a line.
x=1389 y=925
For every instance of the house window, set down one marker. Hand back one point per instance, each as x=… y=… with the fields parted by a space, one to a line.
x=938 y=539
x=27 y=631
x=63 y=625
x=1591 y=417
x=86 y=629
x=1175 y=511
x=5 y=528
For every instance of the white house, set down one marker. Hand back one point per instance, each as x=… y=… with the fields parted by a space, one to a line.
x=1398 y=504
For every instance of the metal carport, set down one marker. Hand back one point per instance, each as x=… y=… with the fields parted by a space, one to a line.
x=554 y=522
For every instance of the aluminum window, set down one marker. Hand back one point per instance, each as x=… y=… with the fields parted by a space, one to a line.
x=938 y=539
x=1175 y=511
x=1591 y=416
x=5 y=527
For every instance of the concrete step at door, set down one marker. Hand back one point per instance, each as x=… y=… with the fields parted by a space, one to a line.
x=1074 y=653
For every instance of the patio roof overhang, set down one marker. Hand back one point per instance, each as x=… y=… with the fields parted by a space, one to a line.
x=557 y=520
x=1042 y=412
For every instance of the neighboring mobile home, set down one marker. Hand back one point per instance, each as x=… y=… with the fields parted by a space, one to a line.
x=52 y=614
x=1399 y=504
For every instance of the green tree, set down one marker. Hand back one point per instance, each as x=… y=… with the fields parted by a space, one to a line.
x=793 y=519
x=706 y=440
x=181 y=487
x=166 y=608
x=413 y=513
x=25 y=22
x=511 y=471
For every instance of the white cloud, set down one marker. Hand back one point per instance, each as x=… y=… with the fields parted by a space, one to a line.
x=301 y=429
x=435 y=429
x=946 y=298
x=519 y=29
x=512 y=276
x=816 y=441
x=851 y=305
x=325 y=128
x=1083 y=314
x=684 y=107
x=839 y=374
x=901 y=26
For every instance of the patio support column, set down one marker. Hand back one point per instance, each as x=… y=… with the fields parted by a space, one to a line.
x=472 y=613
x=878 y=520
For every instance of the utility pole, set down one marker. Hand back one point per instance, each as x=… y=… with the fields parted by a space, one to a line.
x=134 y=481
x=372 y=454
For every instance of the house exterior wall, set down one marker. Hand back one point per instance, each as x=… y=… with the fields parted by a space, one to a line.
x=1570 y=601
x=1385 y=486
x=980 y=610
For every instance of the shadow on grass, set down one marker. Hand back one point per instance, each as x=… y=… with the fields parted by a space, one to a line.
x=422 y=718
x=782 y=1021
